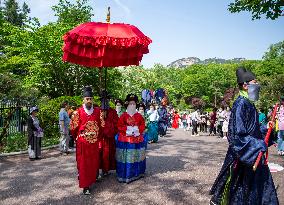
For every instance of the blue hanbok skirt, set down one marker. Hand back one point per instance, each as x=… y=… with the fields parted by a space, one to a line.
x=153 y=131
x=130 y=161
x=145 y=139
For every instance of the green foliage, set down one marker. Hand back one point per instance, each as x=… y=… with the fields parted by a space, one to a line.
x=270 y=8
x=36 y=56
x=275 y=52
x=8 y=84
x=13 y=14
x=49 y=141
x=18 y=142
x=15 y=142
x=48 y=73
x=73 y=14
x=31 y=67
x=271 y=75
x=49 y=109
x=210 y=82
x=48 y=114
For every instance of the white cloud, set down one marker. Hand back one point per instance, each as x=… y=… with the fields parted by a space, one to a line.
x=123 y=6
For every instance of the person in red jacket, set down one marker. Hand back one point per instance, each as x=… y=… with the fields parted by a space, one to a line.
x=85 y=126
x=107 y=143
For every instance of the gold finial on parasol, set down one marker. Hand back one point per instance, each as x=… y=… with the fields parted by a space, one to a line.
x=108 y=15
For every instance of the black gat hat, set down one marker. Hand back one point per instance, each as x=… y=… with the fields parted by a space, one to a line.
x=244 y=75
x=88 y=92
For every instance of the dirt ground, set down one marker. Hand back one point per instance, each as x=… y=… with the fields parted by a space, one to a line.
x=180 y=170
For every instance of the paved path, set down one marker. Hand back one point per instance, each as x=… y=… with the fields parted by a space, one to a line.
x=180 y=170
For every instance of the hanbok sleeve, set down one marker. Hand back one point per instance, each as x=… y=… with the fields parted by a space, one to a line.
x=102 y=118
x=121 y=125
x=74 y=124
x=245 y=146
x=141 y=124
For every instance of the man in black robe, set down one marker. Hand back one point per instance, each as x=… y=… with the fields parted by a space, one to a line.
x=237 y=182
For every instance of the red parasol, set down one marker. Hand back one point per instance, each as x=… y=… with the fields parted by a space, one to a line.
x=94 y=44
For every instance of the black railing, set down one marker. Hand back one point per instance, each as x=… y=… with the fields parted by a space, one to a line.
x=13 y=117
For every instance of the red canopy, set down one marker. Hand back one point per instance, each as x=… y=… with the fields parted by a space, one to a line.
x=95 y=44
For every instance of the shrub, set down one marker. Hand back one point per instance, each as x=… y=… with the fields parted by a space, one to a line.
x=15 y=142
x=48 y=115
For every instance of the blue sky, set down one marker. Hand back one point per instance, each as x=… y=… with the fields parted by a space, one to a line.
x=184 y=28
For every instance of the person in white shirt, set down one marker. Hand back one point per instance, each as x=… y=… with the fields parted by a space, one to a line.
x=227 y=114
x=188 y=121
x=195 y=119
x=220 y=117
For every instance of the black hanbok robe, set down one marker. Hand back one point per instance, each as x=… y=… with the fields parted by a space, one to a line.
x=162 y=121
x=237 y=178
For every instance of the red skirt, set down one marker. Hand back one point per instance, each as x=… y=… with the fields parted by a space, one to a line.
x=175 y=124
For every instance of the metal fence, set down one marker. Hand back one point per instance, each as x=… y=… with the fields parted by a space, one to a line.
x=13 y=115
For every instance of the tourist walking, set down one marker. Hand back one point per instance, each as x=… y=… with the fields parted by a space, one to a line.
x=64 y=122
x=195 y=118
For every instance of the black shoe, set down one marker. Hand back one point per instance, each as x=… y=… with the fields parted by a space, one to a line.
x=86 y=191
x=106 y=174
x=99 y=177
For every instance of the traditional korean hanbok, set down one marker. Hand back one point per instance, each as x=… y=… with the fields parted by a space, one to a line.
x=130 y=148
x=109 y=130
x=152 y=126
x=237 y=182
x=176 y=119
x=86 y=126
x=162 y=121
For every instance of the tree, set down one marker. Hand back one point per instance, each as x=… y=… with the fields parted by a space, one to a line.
x=270 y=8
x=24 y=15
x=48 y=73
x=8 y=84
x=1 y=14
x=13 y=14
x=275 y=52
x=34 y=56
x=270 y=73
x=73 y=14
